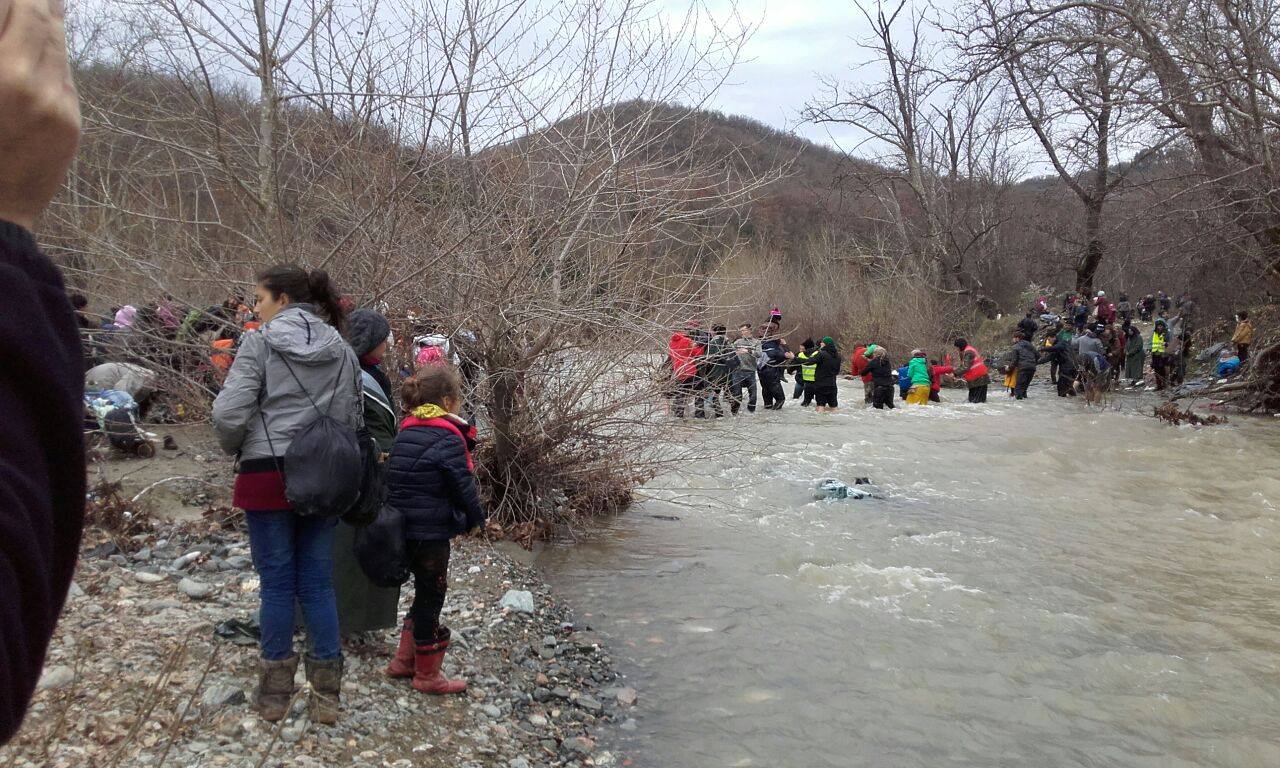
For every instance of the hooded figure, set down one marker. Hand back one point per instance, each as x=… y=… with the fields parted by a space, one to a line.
x=1135 y=354
x=921 y=380
x=362 y=605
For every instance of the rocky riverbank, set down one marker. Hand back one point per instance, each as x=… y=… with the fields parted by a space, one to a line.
x=154 y=659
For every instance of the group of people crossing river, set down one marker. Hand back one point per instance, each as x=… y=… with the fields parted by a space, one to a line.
x=1092 y=345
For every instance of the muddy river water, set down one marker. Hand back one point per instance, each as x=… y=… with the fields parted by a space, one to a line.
x=1041 y=585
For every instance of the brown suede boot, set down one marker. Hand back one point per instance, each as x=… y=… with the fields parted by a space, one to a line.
x=326 y=687
x=275 y=688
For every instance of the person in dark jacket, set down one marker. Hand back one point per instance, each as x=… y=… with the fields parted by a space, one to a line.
x=718 y=362
x=362 y=605
x=1022 y=359
x=430 y=483
x=1029 y=325
x=776 y=355
x=884 y=377
x=1063 y=357
x=804 y=368
x=825 y=374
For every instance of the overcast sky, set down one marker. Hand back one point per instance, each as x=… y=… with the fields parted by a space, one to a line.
x=797 y=43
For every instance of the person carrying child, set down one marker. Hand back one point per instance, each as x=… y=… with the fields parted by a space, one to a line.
x=430 y=481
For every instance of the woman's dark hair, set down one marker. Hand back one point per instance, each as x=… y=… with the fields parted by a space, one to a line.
x=960 y=343
x=431 y=384
x=303 y=287
x=1243 y=315
x=79 y=301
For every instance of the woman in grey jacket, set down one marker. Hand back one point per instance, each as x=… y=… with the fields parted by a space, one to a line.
x=296 y=365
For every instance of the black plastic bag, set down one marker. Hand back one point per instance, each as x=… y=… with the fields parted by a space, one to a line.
x=373 y=487
x=380 y=548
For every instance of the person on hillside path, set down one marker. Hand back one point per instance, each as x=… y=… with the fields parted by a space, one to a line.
x=430 y=482
x=1124 y=308
x=921 y=381
x=825 y=373
x=1243 y=336
x=1146 y=308
x=747 y=348
x=884 y=376
x=296 y=366
x=972 y=369
x=1165 y=304
x=1135 y=354
x=1029 y=325
x=683 y=355
x=1022 y=360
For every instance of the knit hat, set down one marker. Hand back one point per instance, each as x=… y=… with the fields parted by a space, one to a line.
x=871 y=349
x=366 y=329
x=830 y=342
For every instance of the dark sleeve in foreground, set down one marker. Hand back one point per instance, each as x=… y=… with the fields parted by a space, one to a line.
x=42 y=480
x=461 y=482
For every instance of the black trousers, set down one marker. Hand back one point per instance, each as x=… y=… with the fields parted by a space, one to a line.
x=1242 y=351
x=771 y=390
x=978 y=394
x=882 y=396
x=1066 y=384
x=429 y=563
x=1022 y=382
x=826 y=396
x=808 y=393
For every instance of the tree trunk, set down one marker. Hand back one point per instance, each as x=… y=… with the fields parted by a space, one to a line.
x=1087 y=268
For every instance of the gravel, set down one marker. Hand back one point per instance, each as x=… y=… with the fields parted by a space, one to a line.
x=542 y=694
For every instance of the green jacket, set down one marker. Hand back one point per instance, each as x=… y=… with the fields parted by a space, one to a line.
x=379 y=413
x=918 y=370
x=808 y=370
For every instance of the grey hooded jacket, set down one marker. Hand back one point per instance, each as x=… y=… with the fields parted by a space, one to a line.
x=260 y=388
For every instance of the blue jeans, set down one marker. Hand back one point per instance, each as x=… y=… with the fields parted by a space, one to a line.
x=293 y=556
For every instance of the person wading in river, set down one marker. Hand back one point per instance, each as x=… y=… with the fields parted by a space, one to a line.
x=826 y=371
x=884 y=376
x=1022 y=361
x=972 y=369
x=747 y=348
x=921 y=381
x=807 y=369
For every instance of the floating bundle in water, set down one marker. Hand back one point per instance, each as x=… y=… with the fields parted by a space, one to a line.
x=832 y=489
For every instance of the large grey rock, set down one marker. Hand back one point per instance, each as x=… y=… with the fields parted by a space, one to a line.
x=220 y=696
x=56 y=677
x=196 y=590
x=517 y=600
x=145 y=577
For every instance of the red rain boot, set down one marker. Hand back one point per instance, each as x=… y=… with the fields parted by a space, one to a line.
x=428 y=660
x=402 y=663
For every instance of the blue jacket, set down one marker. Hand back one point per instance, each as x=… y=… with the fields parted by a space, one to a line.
x=430 y=483
x=904 y=380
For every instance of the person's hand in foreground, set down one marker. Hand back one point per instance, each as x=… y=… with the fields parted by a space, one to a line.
x=42 y=479
x=39 y=109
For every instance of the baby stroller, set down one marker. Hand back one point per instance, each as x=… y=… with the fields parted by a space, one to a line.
x=113 y=414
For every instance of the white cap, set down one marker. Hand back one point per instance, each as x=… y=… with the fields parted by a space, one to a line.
x=1102 y=293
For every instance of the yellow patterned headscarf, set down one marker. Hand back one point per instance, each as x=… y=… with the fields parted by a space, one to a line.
x=429 y=411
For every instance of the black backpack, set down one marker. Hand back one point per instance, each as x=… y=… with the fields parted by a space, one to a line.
x=324 y=465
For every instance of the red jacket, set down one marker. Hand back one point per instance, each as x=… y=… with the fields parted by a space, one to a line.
x=935 y=376
x=683 y=354
x=858 y=364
